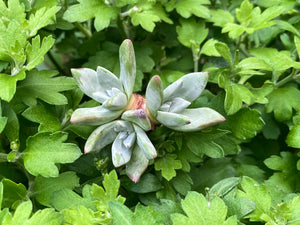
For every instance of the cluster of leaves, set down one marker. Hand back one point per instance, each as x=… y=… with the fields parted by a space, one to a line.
x=242 y=171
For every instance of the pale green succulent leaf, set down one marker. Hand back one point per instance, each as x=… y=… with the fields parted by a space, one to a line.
x=130 y=140
x=94 y=116
x=200 y=118
x=120 y=153
x=144 y=143
x=99 y=138
x=139 y=117
x=170 y=119
x=116 y=102
x=122 y=125
x=154 y=95
x=188 y=87
x=137 y=164
x=96 y=84
x=175 y=106
x=127 y=66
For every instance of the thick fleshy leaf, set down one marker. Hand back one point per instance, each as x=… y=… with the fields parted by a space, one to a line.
x=188 y=87
x=94 y=116
x=120 y=153
x=200 y=118
x=144 y=143
x=95 y=84
x=154 y=95
x=117 y=102
x=99 y=138
x=170 y=119
x=127 y=66
x=138 y=117
x=175 y=106
x=137 y=164
x=130 y=140
x=122 y=125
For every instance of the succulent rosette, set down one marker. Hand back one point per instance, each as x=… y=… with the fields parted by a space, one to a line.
x=124 y=117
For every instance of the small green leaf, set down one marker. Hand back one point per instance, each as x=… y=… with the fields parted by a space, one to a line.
x=224 y=51
x=282 y=101
x=44 y=150
x=246 y=123
x=121 y=214
x=191 y=34
x=79 y=216
x=257 y=193
x=293 y=138
x=199 y=211
x=87 y=10
x=168 y=165
x=45 y=187
x=220 y=17
x=42 y=115
x=8 y=85
x=209 y=48
x=13 y=193
x=43 y=85
x=224 y=186
x=188 y=7
x=36 y=51
x=236 y=94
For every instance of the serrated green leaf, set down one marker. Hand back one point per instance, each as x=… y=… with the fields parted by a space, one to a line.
x=45 y=187
x=182 y=182
x=13 y=193
x=44 y=150
x=257 y=193
x=246 y=123
x=188 y=7
x=109 y=192
x=42 y=115
x=87 y=10
x=120 y=213
x=243 y=14
x=209 y=49
x=8 y=85
x=36 y=51
x=224 y=51
x=199 y=211
x=168 y=165
x=12 y=128
x=41 y=18
x=282 y=101
x=80 y=216
x=277 y=60
x=293 y=138
x=236 y=94
x=43 y=85
x=13 y=11
x=220 y=17
x=147 y=16
x=66 y=198
x=191 y=34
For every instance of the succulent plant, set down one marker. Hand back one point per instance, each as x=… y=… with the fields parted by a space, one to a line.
x=124 y=117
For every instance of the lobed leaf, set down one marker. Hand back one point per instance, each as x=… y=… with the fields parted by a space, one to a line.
x=44 y=150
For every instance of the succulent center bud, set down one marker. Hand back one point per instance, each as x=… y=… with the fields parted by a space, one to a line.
x=138 y=102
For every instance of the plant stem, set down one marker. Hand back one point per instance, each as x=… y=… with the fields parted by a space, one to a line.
x=124 y=14
x=285 y=80
x=84 y=30
x=56 y=64
x=196 y=62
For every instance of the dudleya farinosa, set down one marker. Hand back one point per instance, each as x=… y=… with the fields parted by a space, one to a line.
x=124 y=117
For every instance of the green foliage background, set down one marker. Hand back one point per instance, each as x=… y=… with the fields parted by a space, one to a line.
x=242 y=171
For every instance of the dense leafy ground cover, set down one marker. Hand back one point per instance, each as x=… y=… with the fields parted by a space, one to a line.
x=244 y=170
